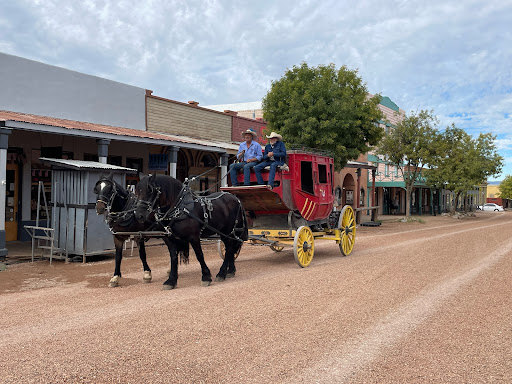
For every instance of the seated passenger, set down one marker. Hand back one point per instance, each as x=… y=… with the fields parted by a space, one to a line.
x=249 y=154
x=274 y=156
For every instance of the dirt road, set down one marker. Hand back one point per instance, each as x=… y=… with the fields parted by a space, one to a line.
x=414 y=303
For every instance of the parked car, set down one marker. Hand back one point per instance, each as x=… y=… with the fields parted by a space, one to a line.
x=491 y=207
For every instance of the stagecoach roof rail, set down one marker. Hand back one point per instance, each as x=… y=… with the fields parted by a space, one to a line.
x=296 y=148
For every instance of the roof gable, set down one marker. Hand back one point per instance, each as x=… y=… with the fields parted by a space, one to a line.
x=387 y=102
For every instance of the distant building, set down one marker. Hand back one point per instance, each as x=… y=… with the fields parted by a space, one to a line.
x=251 y=110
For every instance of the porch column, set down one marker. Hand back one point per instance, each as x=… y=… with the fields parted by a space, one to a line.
x=173 y=160
x=224 y=169
x=358 y=186
x=374 y=211
x=373 y=187
x=432 y=207
x=4 y=144
x=103 y=150
x=420 y=202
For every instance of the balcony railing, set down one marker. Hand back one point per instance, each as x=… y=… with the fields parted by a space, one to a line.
x=392 y=177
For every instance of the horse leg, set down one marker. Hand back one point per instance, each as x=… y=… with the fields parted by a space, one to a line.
x=206 y=277
x=221 y=276
x=114 y=281
x=142 y=254
x=231 y=263
x=172 y=280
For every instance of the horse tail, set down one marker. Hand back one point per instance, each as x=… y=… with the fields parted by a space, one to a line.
x=183 y=250
x=245 y=233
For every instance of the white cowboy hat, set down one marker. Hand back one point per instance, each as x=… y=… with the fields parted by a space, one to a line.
x=275 y=135
x=254 y=134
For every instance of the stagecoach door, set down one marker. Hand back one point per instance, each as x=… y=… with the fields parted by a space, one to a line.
x=11 y=202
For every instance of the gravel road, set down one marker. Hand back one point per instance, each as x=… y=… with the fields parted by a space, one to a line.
x=413 y=303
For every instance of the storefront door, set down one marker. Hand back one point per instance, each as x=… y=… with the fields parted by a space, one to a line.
x=11 y=203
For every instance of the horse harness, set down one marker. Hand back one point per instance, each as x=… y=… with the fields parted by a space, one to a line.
x=184 y=206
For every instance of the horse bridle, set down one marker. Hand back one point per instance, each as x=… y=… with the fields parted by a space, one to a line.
x=103 y=199
x=149 y=204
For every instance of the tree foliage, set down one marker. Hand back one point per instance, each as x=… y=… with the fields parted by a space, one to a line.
x=506 y=188
x=325 y=108
x=411 y=145
x=461 y=162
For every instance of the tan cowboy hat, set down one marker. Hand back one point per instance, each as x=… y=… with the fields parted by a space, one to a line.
x=254 y=134
x=275 y=135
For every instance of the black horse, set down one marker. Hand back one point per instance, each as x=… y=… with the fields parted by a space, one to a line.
x=120 y=208
x=191 y=217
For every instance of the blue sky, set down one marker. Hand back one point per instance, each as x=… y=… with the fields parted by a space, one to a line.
x=454 y=57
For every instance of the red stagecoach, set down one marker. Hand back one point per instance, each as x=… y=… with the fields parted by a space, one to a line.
x=299 y=209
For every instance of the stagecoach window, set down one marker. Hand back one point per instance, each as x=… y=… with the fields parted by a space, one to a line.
x=322 y=173
x=306 y=177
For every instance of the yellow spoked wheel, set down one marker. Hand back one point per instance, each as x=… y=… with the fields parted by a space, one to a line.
x=348 y=230
x=303 y=246
x=276 y=248
x=221 y=248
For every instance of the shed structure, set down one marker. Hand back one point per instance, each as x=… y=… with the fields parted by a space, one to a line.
x=77 y=229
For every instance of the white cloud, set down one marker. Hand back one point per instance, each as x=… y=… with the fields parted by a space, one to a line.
x=450 y=56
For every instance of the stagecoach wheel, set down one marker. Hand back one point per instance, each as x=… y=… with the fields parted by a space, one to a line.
x=221 y=248
x=348 y=230
x=276 y=248
x=303 y=246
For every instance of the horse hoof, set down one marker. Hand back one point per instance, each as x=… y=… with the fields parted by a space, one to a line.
x=219 y=278
x=206 y=283
x=167 y=287
x=114 y=282
x=147 y=277
x=230 y=275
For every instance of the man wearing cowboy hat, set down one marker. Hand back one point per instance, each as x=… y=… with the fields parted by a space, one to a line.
x=249 y=154
x=274 y=156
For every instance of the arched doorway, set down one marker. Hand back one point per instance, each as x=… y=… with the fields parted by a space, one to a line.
x=349 y=190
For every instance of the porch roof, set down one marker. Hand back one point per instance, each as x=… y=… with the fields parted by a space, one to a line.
x=28 y=122
x=82 y=164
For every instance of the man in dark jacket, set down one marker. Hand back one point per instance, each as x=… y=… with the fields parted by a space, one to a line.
x=274 y=156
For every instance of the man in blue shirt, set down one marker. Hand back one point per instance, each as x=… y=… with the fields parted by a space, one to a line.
x=274 y=156
x=249 y=154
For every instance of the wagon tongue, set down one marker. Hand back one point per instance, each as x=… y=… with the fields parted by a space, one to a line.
x=257 y=198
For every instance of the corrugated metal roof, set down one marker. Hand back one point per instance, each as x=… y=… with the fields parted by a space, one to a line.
x=81 y=164
x=127 y=132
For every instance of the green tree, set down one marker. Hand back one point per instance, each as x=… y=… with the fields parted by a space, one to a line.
x=454 y=160
x=461 y=162
x=506 y=188
x=322 y=107
x=411 y=145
